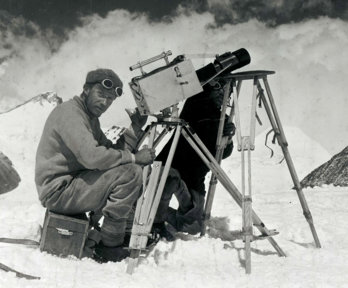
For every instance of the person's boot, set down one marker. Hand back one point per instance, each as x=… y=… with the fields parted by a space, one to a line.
x=172 y=219
x=151 y=241
x=182 y=223
x=161 y=230
x=192 y=228
x=103 y=254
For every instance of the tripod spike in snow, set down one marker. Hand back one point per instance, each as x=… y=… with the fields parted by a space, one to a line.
x=142 y=222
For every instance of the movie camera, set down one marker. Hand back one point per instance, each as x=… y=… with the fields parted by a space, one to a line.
x=166 y=86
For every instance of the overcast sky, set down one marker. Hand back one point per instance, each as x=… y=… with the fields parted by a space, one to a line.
x=62 y=15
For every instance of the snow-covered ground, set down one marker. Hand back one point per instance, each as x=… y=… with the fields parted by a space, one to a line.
x=215 y=260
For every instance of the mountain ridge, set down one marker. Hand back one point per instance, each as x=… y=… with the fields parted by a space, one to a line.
x=334 y=171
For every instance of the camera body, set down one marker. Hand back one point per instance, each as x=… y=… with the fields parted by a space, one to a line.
x=165 y=87
x=178 y=80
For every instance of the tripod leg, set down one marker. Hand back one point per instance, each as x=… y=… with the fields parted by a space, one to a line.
x=247 y=231
x=160 y=137
x=146 y=133
x=237 y=119
x=133 y=261
x=220 y=146
x=147 y=208
x=277 y=126
x=152 y=131
x=227 y=90
x=247 y=205
x=140 y=229
x=210 y=161
x=141 y=210
x=164 y=176
x=211 y=192
x=253 y=116
x=209 y=203
x=220 y=150
x=147 y=167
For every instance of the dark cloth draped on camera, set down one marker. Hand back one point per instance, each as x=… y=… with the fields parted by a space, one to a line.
x=203 y=114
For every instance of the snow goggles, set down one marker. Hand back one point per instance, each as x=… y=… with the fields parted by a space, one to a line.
x=108 y=84
x=216 y=86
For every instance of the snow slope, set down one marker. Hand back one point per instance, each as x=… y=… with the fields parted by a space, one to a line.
x=215 y=260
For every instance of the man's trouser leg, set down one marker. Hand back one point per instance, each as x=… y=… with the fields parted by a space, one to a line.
x=191 y=220
x=174 y=185
x=112 y=191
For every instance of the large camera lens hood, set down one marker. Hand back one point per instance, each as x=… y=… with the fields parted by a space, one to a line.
x=224 y=64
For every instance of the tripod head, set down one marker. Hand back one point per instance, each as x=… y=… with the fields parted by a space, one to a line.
x=158 y=92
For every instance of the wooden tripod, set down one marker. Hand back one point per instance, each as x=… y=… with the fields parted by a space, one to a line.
x=246 y=143
x=148 y=203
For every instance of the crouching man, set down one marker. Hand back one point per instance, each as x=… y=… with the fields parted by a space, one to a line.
x=79 y=170
x=186 y=179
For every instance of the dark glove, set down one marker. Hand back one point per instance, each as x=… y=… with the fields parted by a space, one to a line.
x=229 y=128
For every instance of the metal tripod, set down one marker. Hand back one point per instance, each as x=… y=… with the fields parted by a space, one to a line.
x=247 y=143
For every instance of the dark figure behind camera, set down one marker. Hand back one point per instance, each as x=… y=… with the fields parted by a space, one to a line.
x=187 y=176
